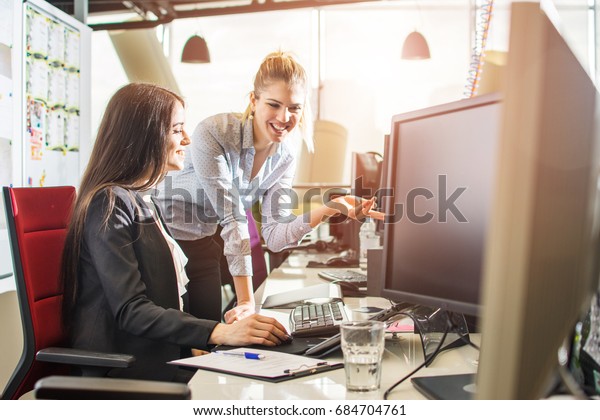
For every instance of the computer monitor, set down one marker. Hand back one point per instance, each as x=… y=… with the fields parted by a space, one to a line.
x=443 y=163
x=366 y=174
x=384 y=193
x=542 y=248
x=540 y=254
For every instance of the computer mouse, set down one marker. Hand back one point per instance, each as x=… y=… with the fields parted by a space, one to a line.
x=341 y=262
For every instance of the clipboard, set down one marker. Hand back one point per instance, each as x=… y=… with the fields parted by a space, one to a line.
x=274 y=367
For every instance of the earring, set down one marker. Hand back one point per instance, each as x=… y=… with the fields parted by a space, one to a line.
x=251 y=116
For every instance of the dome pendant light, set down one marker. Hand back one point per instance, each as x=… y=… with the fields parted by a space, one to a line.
x=195 y=51
x=415 y=47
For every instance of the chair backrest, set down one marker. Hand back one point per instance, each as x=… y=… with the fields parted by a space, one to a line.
x=37 y=220
x=259 y=265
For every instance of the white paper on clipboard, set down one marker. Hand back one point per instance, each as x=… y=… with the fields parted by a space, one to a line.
x=274 y=365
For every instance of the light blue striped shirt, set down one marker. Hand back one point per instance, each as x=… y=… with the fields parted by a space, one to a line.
x=215 y=187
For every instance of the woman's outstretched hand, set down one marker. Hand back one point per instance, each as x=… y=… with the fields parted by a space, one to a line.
x=357 y=208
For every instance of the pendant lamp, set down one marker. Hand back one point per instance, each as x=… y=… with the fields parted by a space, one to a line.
x=195 y=51
x=415 y=47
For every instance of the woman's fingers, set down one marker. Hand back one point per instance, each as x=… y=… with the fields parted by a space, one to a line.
x=198 y=352
x=271 y=325
x=361 y=211
x=270 y=330
x=238 y=313
x=374 y=214
x=257 y=329
x=352 y=206
x=265 y=338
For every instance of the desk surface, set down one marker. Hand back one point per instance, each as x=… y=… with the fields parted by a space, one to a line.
x=401 y=356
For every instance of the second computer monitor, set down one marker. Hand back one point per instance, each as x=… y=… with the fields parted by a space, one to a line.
x=366 y=174
x=384 y=193
x=443 y=163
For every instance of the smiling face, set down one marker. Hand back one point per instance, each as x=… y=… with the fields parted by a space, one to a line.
x=277 y=110
x=178 y=139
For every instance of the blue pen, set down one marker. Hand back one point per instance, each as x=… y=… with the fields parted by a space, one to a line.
x=246 y=354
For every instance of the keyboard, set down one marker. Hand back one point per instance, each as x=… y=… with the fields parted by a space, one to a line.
x=317 y=320
x=333 y=343
x=347 y=276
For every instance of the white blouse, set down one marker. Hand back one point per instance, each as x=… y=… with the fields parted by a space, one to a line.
x=215 y=186
x=179 y=258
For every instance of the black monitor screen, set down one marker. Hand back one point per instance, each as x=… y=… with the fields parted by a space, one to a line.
x=443 y=167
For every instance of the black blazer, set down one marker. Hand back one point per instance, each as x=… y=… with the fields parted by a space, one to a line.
x=128 y=301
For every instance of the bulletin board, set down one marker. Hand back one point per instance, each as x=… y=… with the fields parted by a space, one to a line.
x=52 y=95
x=7 y=93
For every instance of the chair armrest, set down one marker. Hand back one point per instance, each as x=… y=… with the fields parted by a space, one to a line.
x=86 y=388
x=84 y=357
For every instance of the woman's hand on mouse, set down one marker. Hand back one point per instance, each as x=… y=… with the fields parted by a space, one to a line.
x=254 y=329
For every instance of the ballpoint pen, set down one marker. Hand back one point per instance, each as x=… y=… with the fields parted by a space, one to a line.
x=246 y=354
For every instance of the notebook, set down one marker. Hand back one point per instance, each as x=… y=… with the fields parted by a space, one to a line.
x=293 y=298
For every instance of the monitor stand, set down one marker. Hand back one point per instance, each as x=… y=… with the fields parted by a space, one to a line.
x=432 y=324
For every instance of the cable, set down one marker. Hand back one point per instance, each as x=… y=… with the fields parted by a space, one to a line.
x=463 y=337
x=571 y=384
x=426 y=362
x=450 y=326
x=565 y=374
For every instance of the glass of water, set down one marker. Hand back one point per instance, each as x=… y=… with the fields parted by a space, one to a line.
x=362 y=345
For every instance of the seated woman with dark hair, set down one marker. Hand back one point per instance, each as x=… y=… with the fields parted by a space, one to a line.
x=124 y=276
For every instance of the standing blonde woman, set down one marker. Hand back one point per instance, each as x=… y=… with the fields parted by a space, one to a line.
x=236 y=160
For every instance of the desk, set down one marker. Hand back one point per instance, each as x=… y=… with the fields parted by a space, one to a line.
x=400 y=357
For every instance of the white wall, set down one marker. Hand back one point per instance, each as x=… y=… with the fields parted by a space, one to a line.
x=11 y=331
x=364 y=80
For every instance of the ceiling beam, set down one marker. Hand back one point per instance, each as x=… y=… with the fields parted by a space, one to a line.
x=253 y=7
x=167 y=7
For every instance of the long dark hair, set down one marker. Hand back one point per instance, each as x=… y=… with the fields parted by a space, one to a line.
x=130 y=152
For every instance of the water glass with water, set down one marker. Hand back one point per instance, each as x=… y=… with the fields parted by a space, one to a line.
x=362 y=345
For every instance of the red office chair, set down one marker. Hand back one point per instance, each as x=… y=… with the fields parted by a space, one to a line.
x=37 y=220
